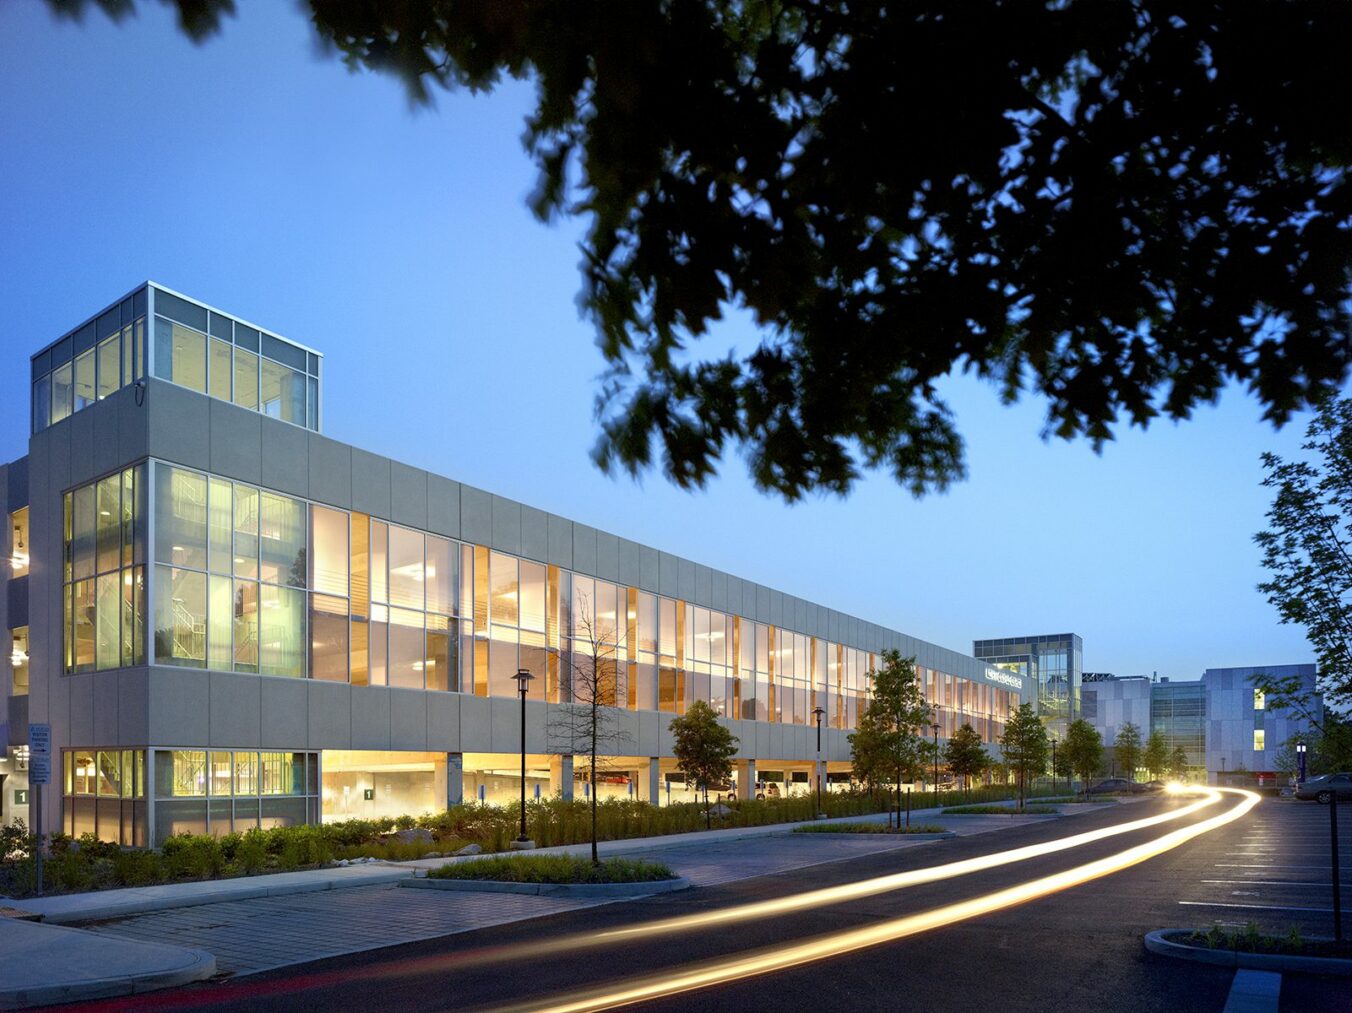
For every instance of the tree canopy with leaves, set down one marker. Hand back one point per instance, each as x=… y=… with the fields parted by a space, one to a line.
x=1116 y=205
x=1025 y=746
x=703 y=748
x=1155 y=759
x=965 y=755
x=1308 y=550
x=1178 y=762
x=1127 y=749
x=889 y=743
x=1083 y=749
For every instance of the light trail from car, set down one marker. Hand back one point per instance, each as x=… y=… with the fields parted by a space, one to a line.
x=835 y=944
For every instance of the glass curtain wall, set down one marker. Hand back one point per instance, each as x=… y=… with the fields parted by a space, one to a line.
x=217 y=792
x=104 y=795
x=104 y=355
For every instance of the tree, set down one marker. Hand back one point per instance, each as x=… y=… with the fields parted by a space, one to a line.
x=1127 y=749
x=703 y=748
x=964 y=754
x=1285 y=761
x=1306 y=549
x=586 y=723
x=1083 y=749
x=889 y=741
x=1143 y=201
x=1156 y=756
x=1024 y=744
x=1178 y=762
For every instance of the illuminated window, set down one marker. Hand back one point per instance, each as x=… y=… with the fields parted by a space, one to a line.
x=1259 y=700
x=18 y=545
x=1259 y=740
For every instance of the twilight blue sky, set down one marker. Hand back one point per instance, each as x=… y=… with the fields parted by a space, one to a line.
x=271 y=182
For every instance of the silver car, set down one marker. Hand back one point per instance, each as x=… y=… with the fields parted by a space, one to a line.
x=1323 y=788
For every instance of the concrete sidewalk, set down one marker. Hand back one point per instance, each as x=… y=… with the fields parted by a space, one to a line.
x=44 y=964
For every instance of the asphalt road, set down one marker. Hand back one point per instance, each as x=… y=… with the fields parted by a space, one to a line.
x=1075 y=950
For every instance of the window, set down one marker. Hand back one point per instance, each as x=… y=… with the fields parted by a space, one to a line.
x=246 y=379
x=282 y=392
x=1259 y=740
x=18 y=660
x=180 y=355
x=18 y=544
x=84 y=379
x=110 y=367
x=1259 y=701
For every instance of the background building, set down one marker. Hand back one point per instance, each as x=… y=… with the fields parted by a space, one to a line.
x=1109 y=702
x=1053 y=662
x=1243 y=733
x=235 y=621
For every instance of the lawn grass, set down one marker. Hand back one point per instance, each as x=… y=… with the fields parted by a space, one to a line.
x=554 y=869
x=868 y=828
x=998 y=810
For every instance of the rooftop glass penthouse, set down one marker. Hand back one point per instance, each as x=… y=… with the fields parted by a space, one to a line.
x=232 y=620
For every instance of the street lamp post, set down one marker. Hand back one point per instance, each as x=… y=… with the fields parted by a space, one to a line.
x=523 y=679
x=935 y=726
x=1054 y=787
x=1300 y=756
x=819 y=713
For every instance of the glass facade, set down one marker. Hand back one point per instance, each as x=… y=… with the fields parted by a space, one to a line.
x=1054 y=662
x=18 y=542
x=104 y=794
x=204 y=791
x=1178 y=711
x=103 y=355
x=184 y=342
x=104 y=591
x=251 y=580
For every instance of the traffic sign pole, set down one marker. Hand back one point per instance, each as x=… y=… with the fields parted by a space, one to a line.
x=39 y=775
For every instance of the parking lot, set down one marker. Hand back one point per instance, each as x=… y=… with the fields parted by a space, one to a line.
x=1273 y=868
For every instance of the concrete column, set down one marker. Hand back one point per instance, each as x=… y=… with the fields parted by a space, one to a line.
x=455 y=779
x=149 y=789
x=561 y=776
x=746 y=779
x=654 y=781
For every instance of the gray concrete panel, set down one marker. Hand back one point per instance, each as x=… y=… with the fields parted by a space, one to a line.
x=51 y=448
x=649 y=569
x=236 y=442
x=330 y=472
x=133 y=425
x=704 y=586
x=107 y=704
x=106 y=442
x=370 y=717
x=476 y=720
x=476 y=515
x=668 y=575
x=685 y=579
x=371 y=484
x=506 y=525
x=443 y=506
x=535 y=534
x=133 y=709
x=560 y=541
x=443 y=722
x=607 y=556
x=778 y=613
x=285 y=458
x=584 y=549
x=180 y=699
x=329 y=705
x=718 y=593
x=81 y=426
x=81 y=710
x=408 y=718
x=763 y=604
x=408 y=495
x=649 y=733
x=236 y=710
x=286 y=712
x=504 y=723
x=180 y=424
x=629 y=568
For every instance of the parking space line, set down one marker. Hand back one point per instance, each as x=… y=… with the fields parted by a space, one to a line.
x=1264 y=882
x=1254 y=907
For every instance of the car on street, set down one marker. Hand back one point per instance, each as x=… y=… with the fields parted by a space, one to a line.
x=1323 y=788
x=1117 y=785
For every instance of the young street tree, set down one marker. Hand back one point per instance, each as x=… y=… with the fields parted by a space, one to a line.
x=889 y=743
x=703 y=748
x=587 y=725
x=1025 y=747
x=964 y=754
x=1083 y=749
x=1308 y=550
x=1127 y=749
x=1155 y=759
x=1178 y=762
x=1148 y=201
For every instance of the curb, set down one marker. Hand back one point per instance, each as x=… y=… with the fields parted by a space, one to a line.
x=616 y=890
x=943 y=836
x=203 y=966
x=138 y=906
x=1156 y=942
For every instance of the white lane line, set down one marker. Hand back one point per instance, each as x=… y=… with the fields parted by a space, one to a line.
x=1263 y=882
x=1254 y=907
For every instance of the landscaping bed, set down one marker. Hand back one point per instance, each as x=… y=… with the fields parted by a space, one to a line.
x=999 y=810
x=555 y=869
x=868 y=828
x=1250 y=948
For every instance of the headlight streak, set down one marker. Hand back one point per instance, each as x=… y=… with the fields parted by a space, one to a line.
x=838 y=943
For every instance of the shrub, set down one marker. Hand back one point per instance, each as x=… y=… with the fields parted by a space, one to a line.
x=16 y=843
x=554 y=869
x=137 y=868
x=867 y=828
x=193 y=856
